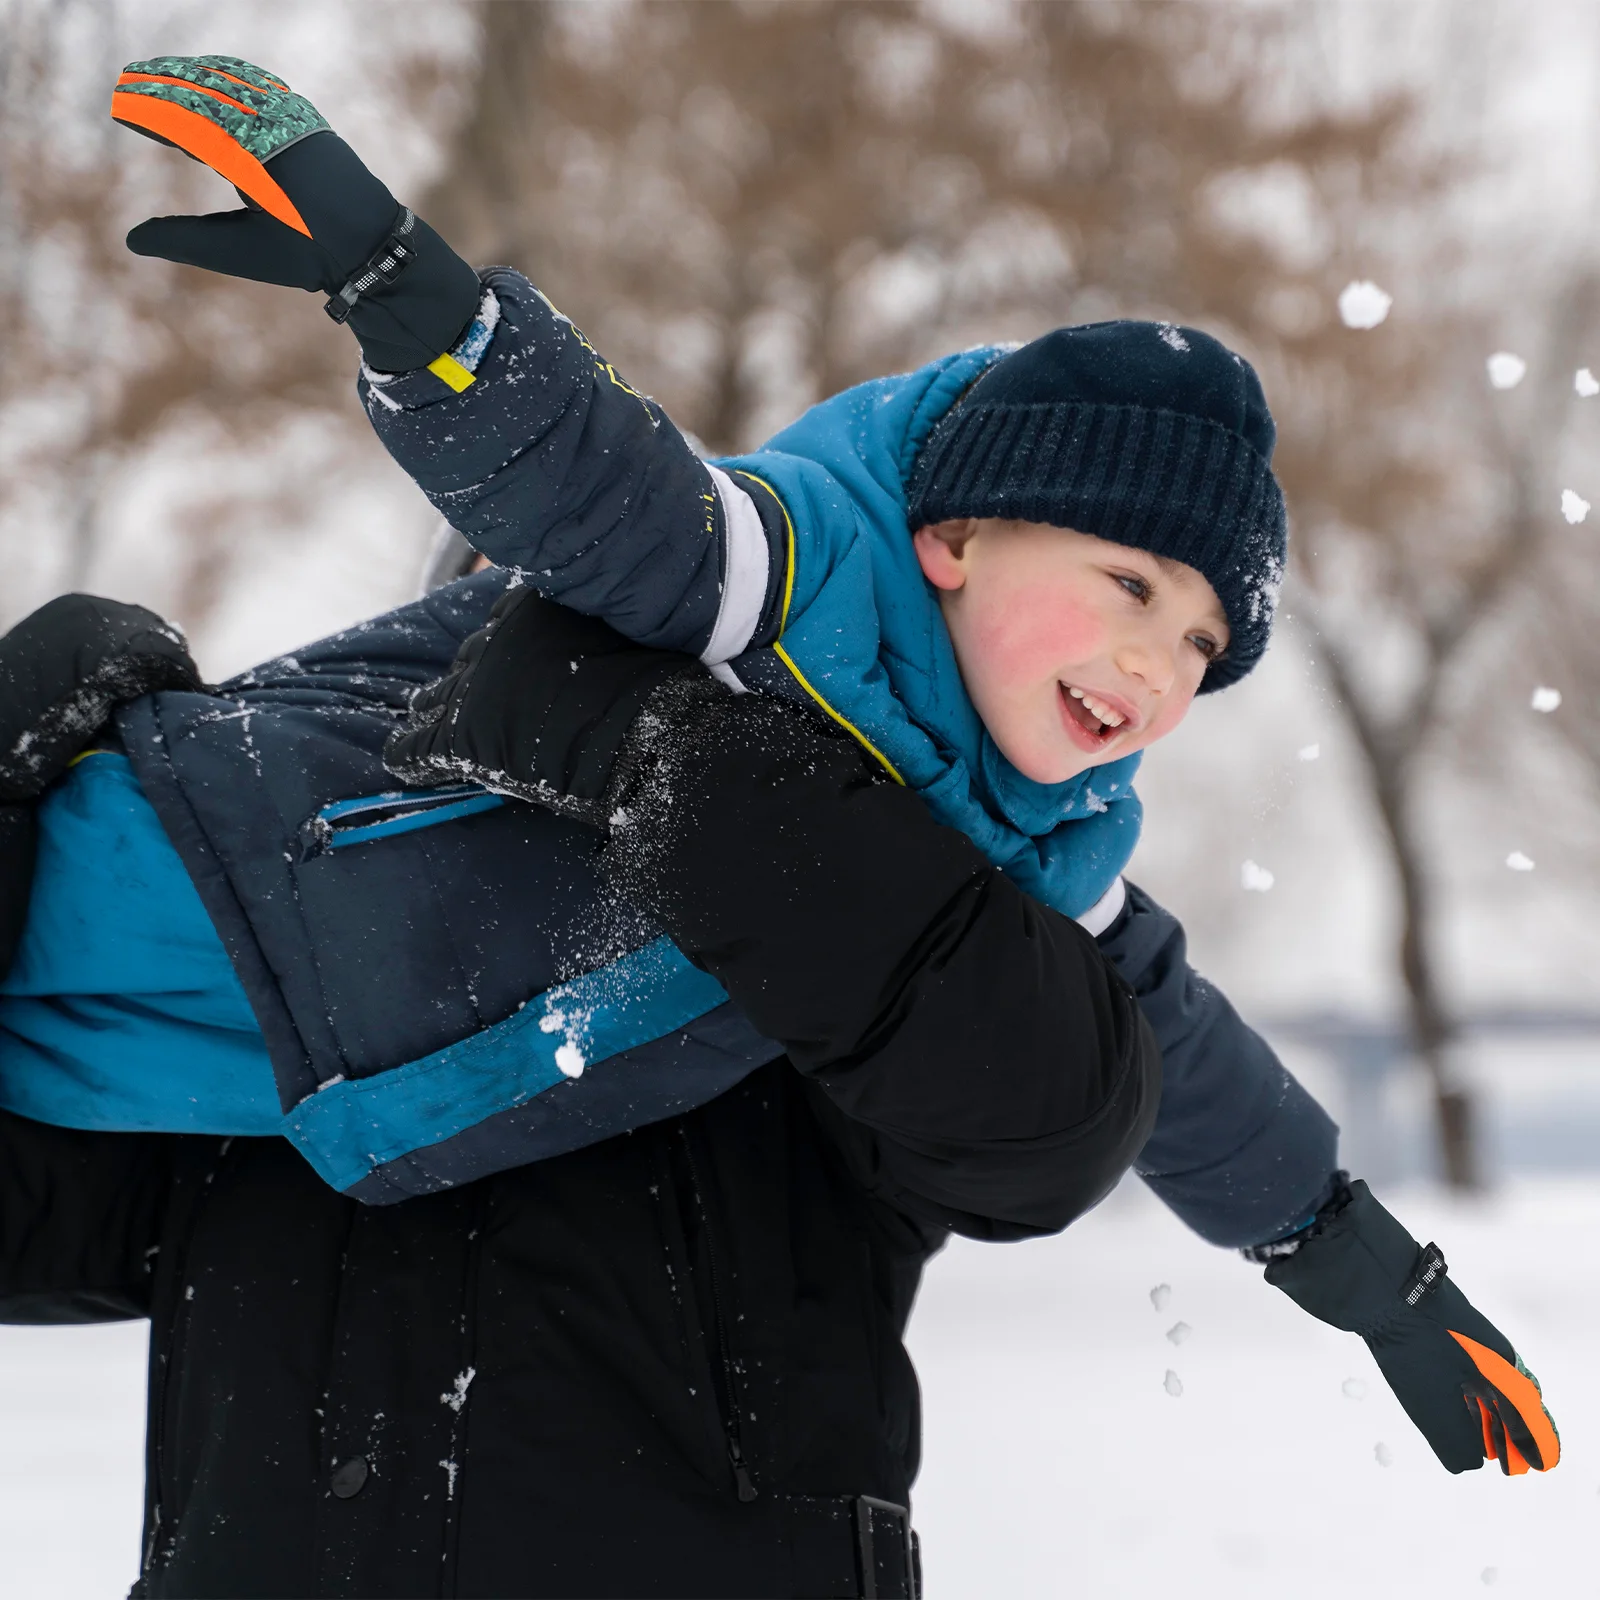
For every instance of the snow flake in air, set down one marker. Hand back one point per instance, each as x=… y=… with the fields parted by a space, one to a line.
x=1545 y=699
x=1519 y=862
x=569 y=1058
x=1585 y=382
x=1173 y=1384
x=1489 y=1577
x=1160 y=1295
x=1506 y=371
x=1308 y=752
x=1573 y=506
x=1255 y=878
x=1362 y=304
x=1354 y=1389
x=1382 y=1454
x=1178 y=1332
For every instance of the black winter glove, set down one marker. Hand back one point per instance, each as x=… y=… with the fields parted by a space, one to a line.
x=1455 y=1373
x=315 y=217
x=62 y=669
x=538 y=704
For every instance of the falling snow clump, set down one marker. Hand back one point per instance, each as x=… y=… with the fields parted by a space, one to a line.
x=1160 y=1295
x=1173 y=1384
x=1585 y=382
x=1519 y=862
x=1382 y=1454
x=1506 y=371
x=1354 y=1389
x=1545 y=699
x=1573 y=506
x=1255 y=878
x=1178 y=1332
x=1489 y=1577
x=1309 y=752
x=1362 y=304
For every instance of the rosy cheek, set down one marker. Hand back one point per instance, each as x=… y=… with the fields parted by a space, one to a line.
x=1029 y=634
x=1172 y=712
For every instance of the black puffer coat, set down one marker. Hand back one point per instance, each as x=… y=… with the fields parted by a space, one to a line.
x=668 y=1364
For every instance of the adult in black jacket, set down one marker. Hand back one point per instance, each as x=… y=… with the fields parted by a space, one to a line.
x=669 y=1364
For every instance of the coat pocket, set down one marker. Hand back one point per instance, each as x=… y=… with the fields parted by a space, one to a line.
x=368 y=819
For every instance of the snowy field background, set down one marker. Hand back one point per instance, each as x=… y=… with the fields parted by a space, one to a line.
x=1056 y=1462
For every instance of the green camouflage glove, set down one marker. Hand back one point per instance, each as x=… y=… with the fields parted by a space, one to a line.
x=1455 y=1373
x=315 y=218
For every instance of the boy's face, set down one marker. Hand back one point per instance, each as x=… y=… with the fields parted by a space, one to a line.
x=1075 y=651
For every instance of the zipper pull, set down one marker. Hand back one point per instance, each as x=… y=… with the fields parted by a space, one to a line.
x=741 y=1473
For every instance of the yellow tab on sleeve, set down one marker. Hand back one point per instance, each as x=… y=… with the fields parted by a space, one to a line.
x=452 y=372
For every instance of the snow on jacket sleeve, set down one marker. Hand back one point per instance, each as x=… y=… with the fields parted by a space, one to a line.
x=1240 y=1151
x=551 y=465
x=983 y=1066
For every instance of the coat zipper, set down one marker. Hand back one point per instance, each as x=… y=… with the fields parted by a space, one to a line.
x=730 y=1409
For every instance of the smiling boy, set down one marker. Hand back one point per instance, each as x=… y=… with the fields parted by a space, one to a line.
x=1005 y=574
x=1048 y=646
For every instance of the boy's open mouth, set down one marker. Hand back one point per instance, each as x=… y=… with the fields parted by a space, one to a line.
x=1091 y=722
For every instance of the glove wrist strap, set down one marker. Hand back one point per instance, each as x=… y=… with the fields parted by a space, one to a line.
x=386 y=264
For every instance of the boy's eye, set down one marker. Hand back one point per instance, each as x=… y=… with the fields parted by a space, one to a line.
x=1137 y=587
x=1206 y=645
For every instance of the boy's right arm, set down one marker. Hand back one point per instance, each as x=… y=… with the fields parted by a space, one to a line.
x=504 y=414
x=551 y=465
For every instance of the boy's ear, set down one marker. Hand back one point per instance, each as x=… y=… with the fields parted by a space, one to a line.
x=942 y=551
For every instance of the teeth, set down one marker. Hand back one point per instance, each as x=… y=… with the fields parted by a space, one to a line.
x=1112 y=719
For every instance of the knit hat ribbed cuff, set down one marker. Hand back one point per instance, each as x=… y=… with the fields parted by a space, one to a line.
x=1177 y=485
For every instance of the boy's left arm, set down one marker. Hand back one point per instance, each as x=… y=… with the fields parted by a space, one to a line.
x=1245 y=1156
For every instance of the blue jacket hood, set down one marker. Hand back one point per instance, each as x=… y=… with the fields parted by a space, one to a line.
x=864 y=634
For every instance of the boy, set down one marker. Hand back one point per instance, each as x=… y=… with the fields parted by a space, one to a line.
x=1013 y=703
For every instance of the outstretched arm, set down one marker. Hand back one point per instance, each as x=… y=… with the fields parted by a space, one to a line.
x=509 y=420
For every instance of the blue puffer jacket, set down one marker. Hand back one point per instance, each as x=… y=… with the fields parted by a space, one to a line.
x=789 y=569
x=417 y=960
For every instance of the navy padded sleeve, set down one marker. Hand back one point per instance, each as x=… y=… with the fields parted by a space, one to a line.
x=1240 y=1151
x=552 y=466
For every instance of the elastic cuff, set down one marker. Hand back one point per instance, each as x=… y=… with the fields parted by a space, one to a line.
x=468 y=351
x=1334 y=1198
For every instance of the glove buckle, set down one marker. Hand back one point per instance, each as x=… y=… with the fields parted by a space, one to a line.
x=387 y=263
x=1426 y=1273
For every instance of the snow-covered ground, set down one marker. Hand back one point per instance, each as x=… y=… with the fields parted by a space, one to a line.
x=1057 y=1464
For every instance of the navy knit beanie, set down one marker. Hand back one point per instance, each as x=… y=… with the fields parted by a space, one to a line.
x=1139 y=432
